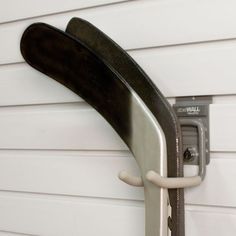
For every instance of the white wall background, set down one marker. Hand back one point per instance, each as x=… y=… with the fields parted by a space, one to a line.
x=59 y=159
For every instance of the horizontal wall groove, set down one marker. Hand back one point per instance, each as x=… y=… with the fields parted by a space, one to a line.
x=209 y=208
x=223 y=154
x=160 y=48
x=11 y=64
x=15 y=233
x=84 y=153
x=183 y=45
x=64 y=12
x=68 y=105
x=108 y=201
x=217 y=99
x=72 y=198
x=111 y=153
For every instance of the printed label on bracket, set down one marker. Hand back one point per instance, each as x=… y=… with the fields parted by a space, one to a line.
x=194 y=110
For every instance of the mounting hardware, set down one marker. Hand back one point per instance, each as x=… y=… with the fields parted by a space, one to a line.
x=193 y=114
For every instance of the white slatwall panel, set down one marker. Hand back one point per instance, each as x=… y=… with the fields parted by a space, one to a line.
x=223 y=127
x=21 y=84
x=69 y=216
x=218 y=186
x=12 y=10
x=68 y=126
x=210 y=221
x=78 y=126
x=65 y=173
x=195 y=70
x=153 y=23
x=101 y=217
x=59 y=160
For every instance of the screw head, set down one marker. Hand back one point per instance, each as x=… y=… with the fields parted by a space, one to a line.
x=189 y=154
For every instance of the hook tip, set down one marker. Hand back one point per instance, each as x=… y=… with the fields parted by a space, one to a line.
x=129 y=179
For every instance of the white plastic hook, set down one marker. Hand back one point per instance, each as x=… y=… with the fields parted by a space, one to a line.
x=130 y=179
x=159 y=181
x=175 y=182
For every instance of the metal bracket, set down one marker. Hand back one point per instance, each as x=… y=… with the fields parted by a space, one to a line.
x=193 y=114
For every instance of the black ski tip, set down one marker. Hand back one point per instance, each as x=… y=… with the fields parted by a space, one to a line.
x=76 y=20
x=26 y=38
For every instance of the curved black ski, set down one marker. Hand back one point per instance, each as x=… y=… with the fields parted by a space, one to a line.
x=70 y=62
x=114 y=55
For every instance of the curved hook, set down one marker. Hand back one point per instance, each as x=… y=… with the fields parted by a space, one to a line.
x=159 y=181
x=130 y=179
x=164 y=182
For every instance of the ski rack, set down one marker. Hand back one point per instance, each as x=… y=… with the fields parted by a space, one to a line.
x=193 y=114
x=134 y=117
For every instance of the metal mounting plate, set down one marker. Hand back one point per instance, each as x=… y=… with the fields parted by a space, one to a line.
x=196 y=108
